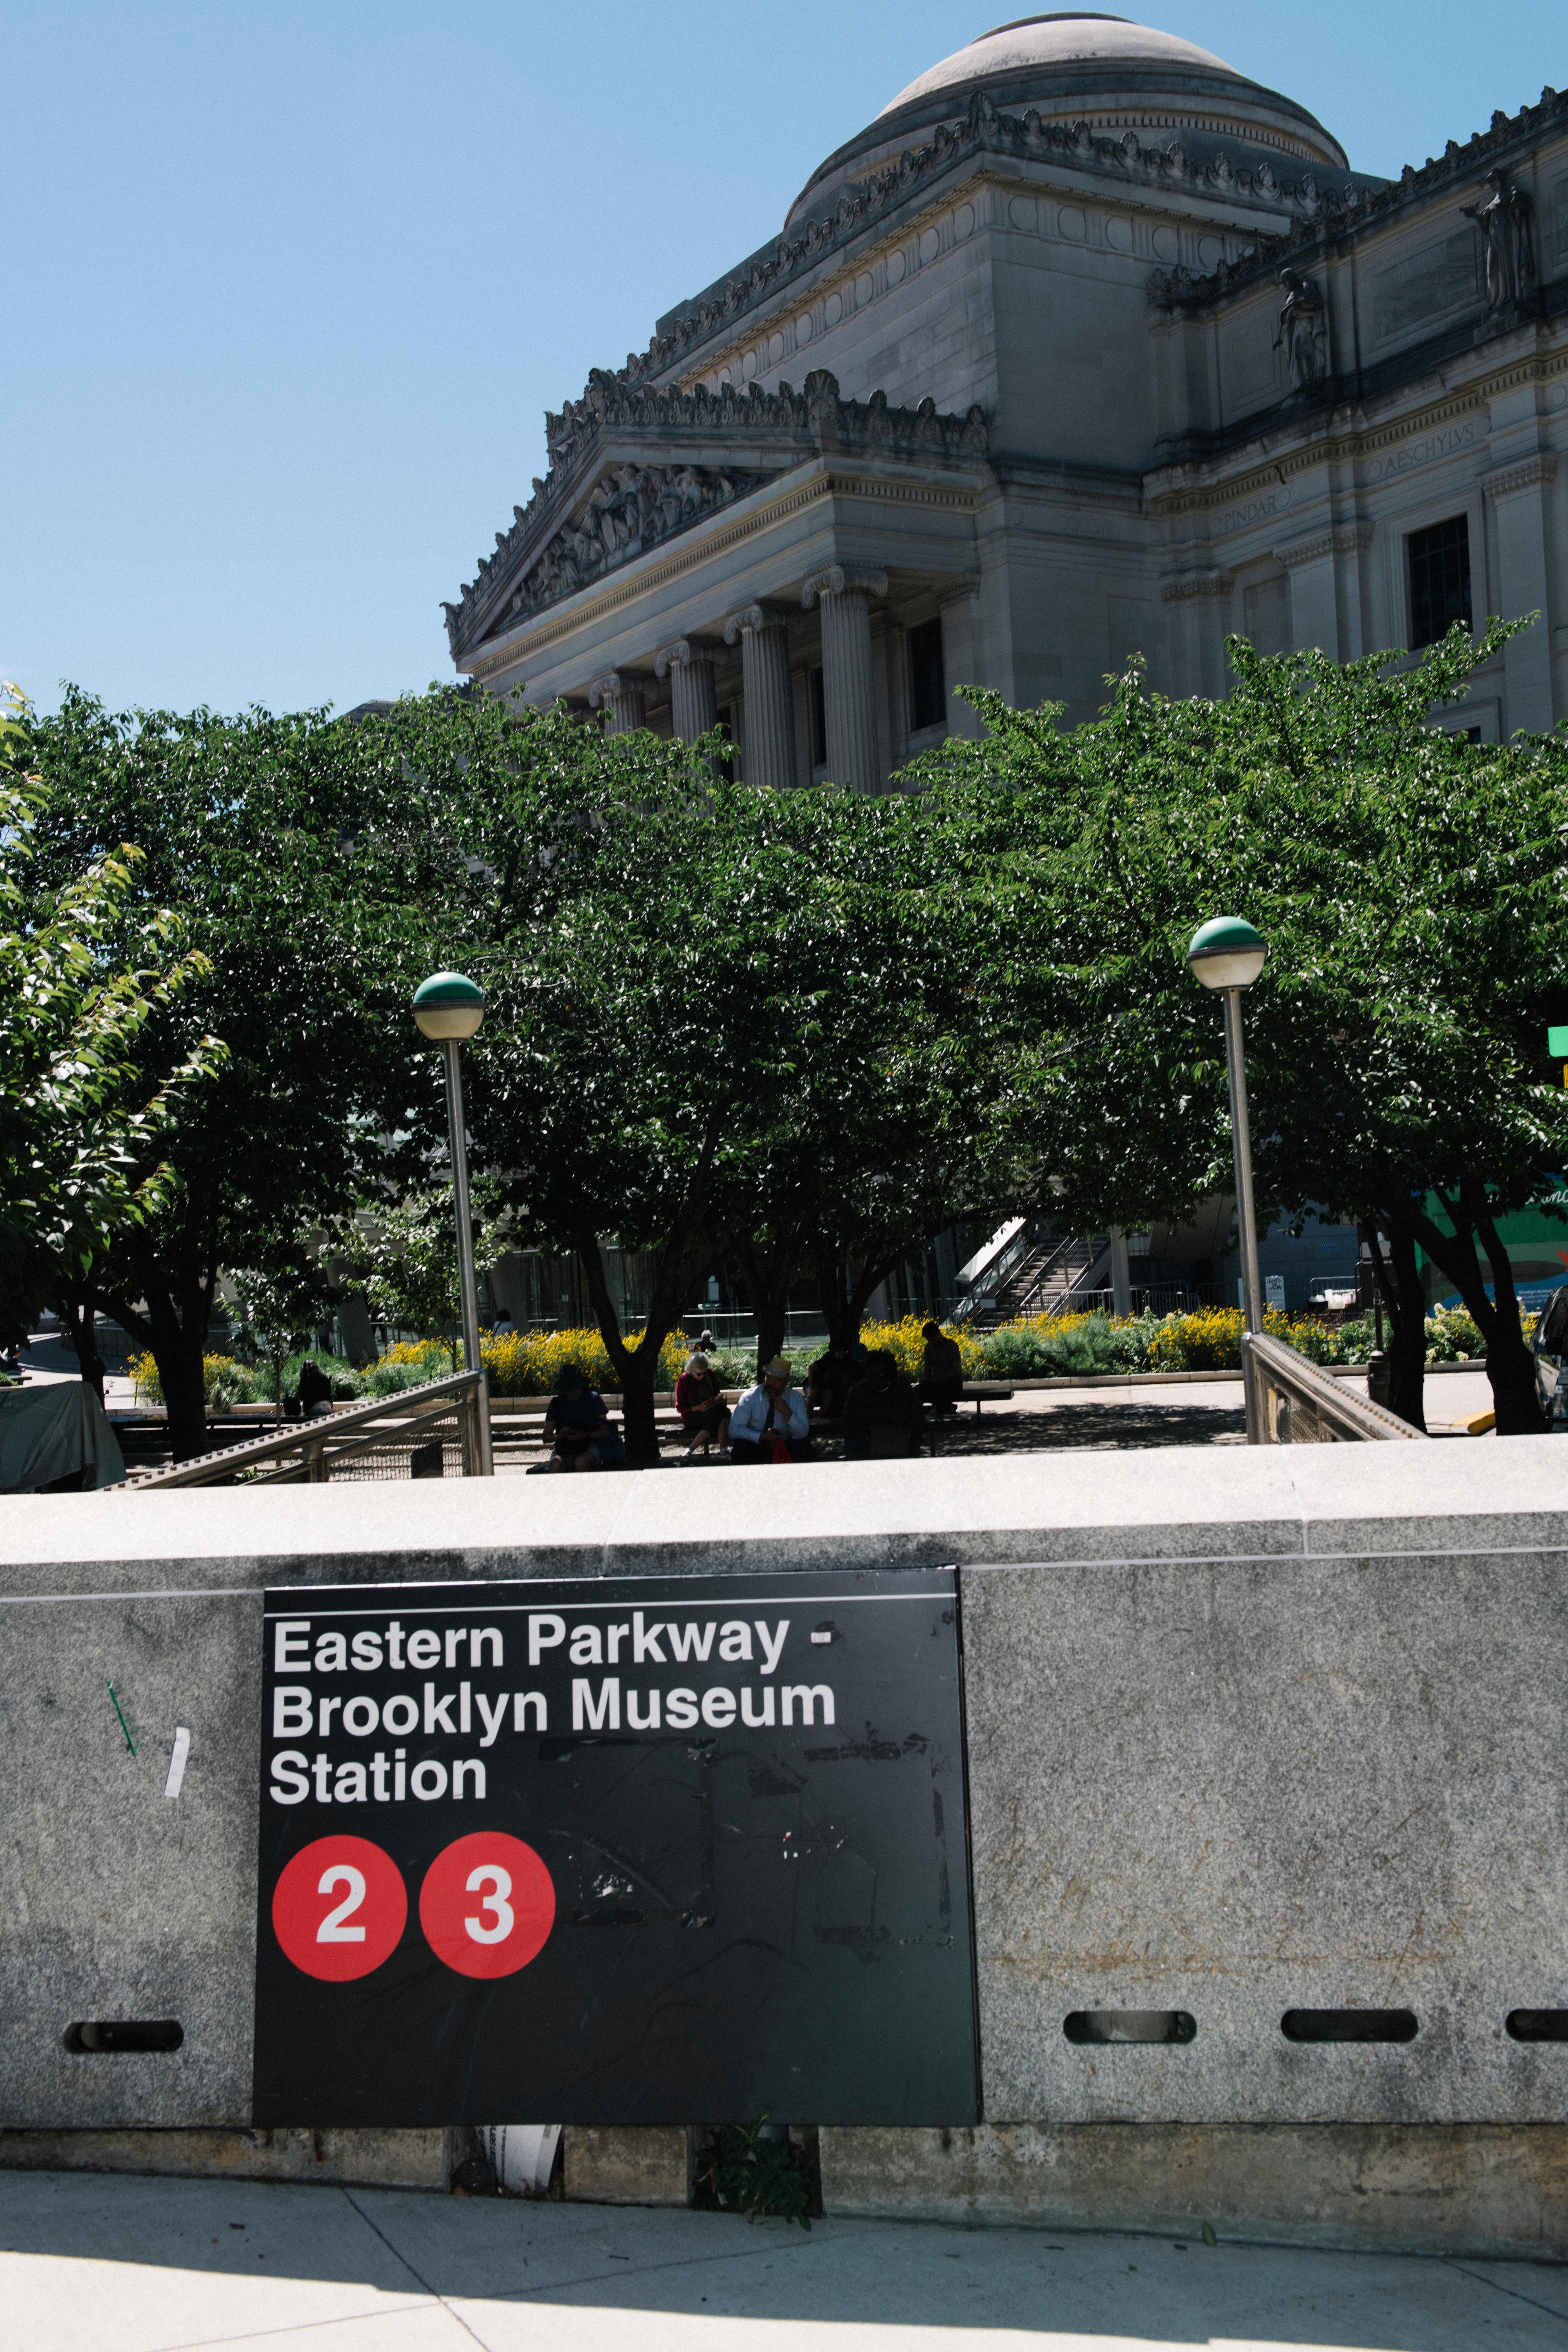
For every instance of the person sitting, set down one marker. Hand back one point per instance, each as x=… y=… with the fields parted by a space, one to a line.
x=578 y=1425
x=315 y=1391
x=503 y=1327
x=699 y=1401
x=941 y=1370
x=771 y=1422
x=831 y=1377
x=884 y=1420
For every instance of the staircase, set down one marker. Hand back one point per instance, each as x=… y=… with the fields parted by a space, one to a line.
x=1045 y=1276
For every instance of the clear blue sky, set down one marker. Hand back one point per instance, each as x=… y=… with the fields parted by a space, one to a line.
x=290 y=287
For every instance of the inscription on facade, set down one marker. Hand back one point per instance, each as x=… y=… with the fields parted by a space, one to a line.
x=1425 y=286
x=1422 y=453
x=1261 y=509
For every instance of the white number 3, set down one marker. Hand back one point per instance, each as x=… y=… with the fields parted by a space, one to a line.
x=332 y=1929
x=498 y=1880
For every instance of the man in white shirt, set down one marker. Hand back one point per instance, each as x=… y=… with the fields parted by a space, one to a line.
x=769 y=1417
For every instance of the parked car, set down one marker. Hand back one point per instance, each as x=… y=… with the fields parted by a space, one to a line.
x=1551 y=1346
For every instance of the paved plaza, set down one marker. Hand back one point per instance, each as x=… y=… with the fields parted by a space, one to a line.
x=142 y=2265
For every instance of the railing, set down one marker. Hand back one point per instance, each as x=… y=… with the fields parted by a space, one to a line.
x=439 y=1430
x=1300 y=1405
x=995 y=1262
x=1068 y=1296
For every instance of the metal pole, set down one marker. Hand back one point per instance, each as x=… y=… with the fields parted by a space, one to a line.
x=470 y=1285
x=1246 y=1216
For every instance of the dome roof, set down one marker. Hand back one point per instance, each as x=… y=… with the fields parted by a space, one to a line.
x=1067 y=39
x=1080 y=67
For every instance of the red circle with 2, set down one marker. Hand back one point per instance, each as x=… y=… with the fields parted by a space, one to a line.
x=339 y=1908
x=488 y=1904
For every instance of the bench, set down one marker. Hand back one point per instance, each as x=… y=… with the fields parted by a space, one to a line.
x=984 y=1392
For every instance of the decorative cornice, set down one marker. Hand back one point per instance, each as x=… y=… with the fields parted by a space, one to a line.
x=843 y=580
x=1347 y=539
x=1196 y=583
x=1530 y=473
x=1125 y=160
x=1334 y=218
x=595 y=514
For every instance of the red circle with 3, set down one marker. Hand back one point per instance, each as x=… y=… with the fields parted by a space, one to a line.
x=488 y=1904
x=339 y=1908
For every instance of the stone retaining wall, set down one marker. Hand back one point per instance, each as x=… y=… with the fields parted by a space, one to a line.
x=1248 y=1732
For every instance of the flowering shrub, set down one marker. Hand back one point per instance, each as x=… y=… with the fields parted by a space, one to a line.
x=530 y=1363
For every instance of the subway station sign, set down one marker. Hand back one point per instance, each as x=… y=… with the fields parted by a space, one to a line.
x=644 y=1851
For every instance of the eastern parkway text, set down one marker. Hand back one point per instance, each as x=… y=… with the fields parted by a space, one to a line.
x=343 y=1772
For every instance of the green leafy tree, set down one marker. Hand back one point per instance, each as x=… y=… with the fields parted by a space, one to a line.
x=404 y=1257
x=1411 y=887
x=86 y=971
x=295 y=851
x=284 y=1297
x=710 y=1011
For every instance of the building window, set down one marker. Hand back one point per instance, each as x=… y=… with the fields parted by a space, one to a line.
x=1439 y=580
x=818 y=721
x=928 y=685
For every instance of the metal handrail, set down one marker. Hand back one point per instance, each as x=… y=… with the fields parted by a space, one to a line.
x=318 y=1443
x=1096 y=1249
x=1334 y=1413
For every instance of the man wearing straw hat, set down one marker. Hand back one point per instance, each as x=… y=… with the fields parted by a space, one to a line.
x=771 y=1422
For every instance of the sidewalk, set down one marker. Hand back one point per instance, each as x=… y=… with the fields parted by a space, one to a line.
x=143 y=2265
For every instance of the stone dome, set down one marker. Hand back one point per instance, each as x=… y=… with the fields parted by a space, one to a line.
x=1079 y=66
x=1072 y=38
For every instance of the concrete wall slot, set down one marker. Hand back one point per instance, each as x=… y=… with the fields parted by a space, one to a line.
x=1538 y=2024
x=1107 y=2025
x=95 y=2036
x=1348 y=2025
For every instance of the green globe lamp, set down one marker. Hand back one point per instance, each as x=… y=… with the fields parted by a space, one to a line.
x=447 y=1008
x=1227 y=954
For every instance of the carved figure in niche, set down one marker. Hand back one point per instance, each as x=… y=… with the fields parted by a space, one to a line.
x=1503 y=218
x=1303 y=332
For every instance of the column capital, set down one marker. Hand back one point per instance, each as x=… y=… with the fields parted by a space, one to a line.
x=603 y=690
x=753 y=617
x=843 y=580
x=679 y=653
x=961 y=591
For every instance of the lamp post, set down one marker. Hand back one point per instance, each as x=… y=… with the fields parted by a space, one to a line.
x=446 y=1009
x=1228 y=955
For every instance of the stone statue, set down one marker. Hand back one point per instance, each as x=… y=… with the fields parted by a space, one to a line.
x=1303 y=332
x=1503 y=218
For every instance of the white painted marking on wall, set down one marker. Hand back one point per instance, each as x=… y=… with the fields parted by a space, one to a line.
x=177 y=1756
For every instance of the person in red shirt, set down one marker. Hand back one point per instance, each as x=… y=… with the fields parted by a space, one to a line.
x=699 y=1401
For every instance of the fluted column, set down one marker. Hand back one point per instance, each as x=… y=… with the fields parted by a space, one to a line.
x=621 y=694
x=770 y=697
x=843 y=592
x=961 y=654
x=690 y=674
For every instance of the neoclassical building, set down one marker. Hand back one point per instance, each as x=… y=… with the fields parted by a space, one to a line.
x=1086 y=345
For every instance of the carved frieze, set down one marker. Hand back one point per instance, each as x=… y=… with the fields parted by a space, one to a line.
x=556 y=547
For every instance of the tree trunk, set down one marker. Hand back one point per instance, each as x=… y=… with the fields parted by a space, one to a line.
x=1510 y=1367
x=77 y=1313
x=675 y=1288
x=1405 y=1304
x=846 y=1292
x=769 y=1273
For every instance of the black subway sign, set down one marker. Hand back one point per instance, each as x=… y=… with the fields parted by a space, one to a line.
x=643 y=1850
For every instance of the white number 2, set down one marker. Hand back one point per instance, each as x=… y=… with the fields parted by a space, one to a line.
x=499 y=1884
x=332 y=1929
